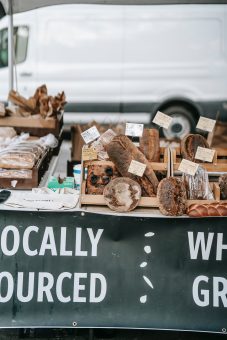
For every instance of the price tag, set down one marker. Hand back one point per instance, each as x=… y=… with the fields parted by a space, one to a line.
x=137 y=168
x=89 y=154
x=188 y=167
x=206 y=124
x=90 y=134
x=134 y=130
x=204 y=154
x=162 y=120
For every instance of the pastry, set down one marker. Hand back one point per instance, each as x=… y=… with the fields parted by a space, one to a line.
x=204 y=210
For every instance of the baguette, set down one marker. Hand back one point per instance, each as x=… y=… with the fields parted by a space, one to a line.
x=204 y=210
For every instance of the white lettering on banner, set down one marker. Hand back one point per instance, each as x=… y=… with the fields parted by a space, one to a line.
x=205 y=246
x=46 y=287
x=59 y=283
x=200 y=242
x=20 y=285
x=202 y=296
x=4 y=238
x=63 y=251
x=220 y=246
x=26 y=236
x=94 y=278
x=204 y=301
x=94 y=240
x=10 y=284
x=48 y=243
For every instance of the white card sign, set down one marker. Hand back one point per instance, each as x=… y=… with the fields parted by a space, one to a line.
x=134 y=130
x=204 y=154
x=137 y=168
x=90 y=134
x=188 y=167
x=162 y=120
x=206 y=124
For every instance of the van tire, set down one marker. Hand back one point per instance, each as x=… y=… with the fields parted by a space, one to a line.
x=184 y=122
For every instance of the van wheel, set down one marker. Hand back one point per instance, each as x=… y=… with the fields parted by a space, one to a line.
x=183 y=122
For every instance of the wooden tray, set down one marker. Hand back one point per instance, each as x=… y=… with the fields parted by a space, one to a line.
x=149 y=202
x=28 y=183
x=36 y=127
x=219 y=163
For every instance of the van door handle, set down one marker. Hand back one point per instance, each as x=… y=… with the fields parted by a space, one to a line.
x=26 y=74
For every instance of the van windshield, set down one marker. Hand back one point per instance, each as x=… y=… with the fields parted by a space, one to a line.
x=20 y=45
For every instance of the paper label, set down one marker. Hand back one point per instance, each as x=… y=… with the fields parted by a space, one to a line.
x=89 y=154
x=188 y=167
x=204 y=154
x=137 y=168
x=90 y=134
x=134 y=130
x=162 y=120
x=206 y=124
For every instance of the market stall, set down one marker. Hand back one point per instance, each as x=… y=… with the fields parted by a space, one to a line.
x=127 y=251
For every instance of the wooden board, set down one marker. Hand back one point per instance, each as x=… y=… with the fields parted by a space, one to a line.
x=36 y=127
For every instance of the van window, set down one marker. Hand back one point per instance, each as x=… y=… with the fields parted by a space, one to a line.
x=20 y=45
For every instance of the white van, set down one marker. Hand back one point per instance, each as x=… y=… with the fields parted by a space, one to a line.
x=124 y=59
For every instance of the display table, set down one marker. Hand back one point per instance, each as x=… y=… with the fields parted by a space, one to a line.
x=93 y=268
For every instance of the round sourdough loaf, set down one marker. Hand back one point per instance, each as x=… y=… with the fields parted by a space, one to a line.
x=122 y=194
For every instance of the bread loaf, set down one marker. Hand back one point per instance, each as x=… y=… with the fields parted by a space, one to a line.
x=189 y=145
x=150 y=145
x=122 y=151
x=122 y=194
x=99 y=175
x=223 y=186
x=172 y=196
x=204 y=210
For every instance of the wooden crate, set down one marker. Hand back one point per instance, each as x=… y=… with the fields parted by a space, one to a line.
x=36 y=127
x=148 y=202
x=219 y=163
x=28 y=183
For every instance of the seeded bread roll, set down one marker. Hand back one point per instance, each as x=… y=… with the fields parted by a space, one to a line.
x=122 y=194
x=189 y=145
x=172 y=196
x=150 y=145
x=121 y=152
x=223 y=186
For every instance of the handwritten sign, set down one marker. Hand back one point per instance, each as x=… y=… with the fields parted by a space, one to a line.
x=134 y=130
x=162 y=120
x=206 y=124
x=90 y=134
x=188 y=167
x=89 y=154
x=204 y=154
x=137 y=168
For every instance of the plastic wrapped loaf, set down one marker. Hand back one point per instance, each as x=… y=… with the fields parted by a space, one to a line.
x=198 y=186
